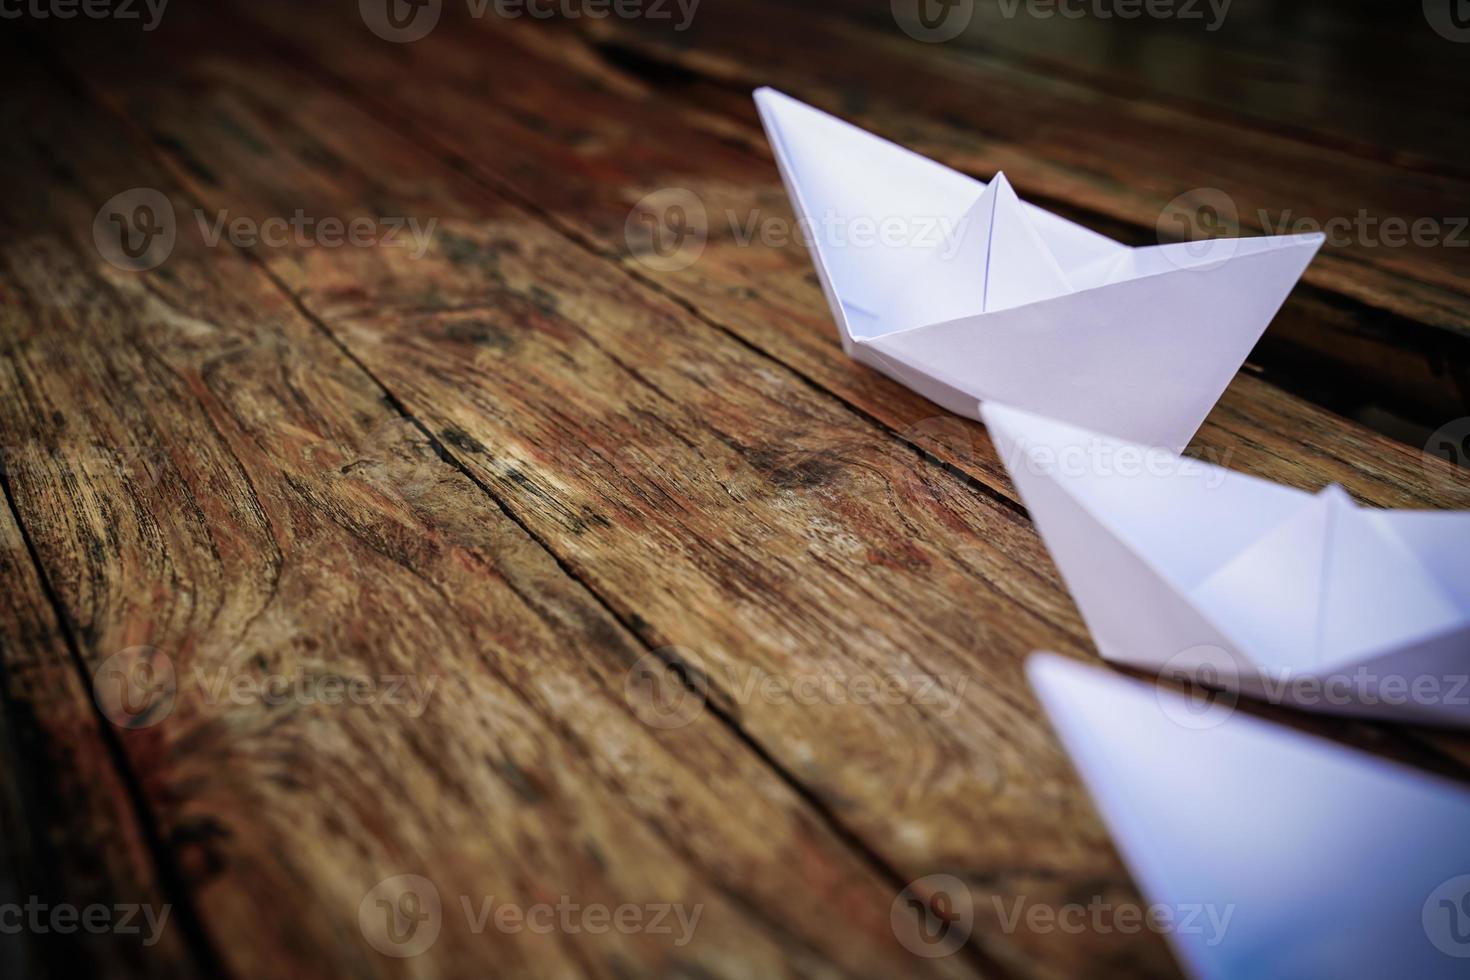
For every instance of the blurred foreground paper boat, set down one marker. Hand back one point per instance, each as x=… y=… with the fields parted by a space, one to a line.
x=1191 y=569
x=1289 y=856
x=963 y=293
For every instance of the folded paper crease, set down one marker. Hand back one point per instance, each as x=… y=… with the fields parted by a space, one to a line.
x=1165 y=555
x=967 y=294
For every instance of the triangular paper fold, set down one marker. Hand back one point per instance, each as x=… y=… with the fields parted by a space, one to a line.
x=1307 y=600
x=974 y=295
x=1291 y=856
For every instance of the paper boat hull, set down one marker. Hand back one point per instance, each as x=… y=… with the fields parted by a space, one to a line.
x=1143 y=360
x=1307 y=859
x=1142 y=614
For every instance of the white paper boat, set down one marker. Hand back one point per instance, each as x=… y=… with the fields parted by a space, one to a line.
x=1303 y=599
x=963 y=293
x=1289 y=856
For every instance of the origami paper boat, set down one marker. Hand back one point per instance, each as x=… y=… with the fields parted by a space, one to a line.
x=1307 y=600
x=963 y=293
x=1279 y=855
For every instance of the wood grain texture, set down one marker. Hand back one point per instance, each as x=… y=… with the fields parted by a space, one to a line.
x=756 y=527
x=1391 y=316
x=574 y=496
x=275 y=516
x=71 y=834
x=586 y=160
x=1293 y=69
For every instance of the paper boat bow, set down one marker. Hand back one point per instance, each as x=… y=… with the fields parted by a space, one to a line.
x=963 y=293
x=1308 y=600
x=1315 y=860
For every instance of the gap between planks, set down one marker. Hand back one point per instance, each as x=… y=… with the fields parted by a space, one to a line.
x=978 y=957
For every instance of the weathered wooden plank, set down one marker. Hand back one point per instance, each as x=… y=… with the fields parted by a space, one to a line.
x=1378 y=81
x=627 y=141
x=1126 y=170
x=586 y=149
x=714 y=500
x=276 y=522
x=71 y=837
x=768 y=295
x=1404 y=303
x=541 y=366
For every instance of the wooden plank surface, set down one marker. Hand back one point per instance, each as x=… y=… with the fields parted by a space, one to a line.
x=301 y=527
x=757 y=530
x=1388 y=317
x=1295 y=69
x=565 y=496
x=619 y=141
x=71 y=830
